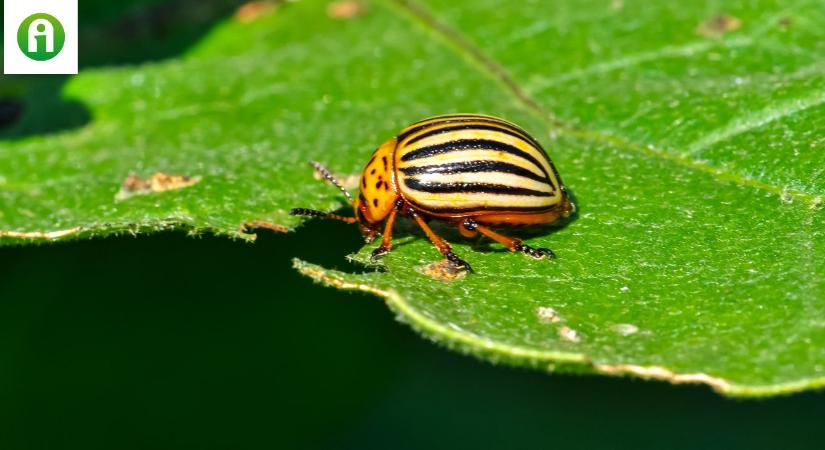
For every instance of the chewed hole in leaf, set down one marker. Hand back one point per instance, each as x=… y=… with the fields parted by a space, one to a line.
x=717 y=26
x=254 y=10
x=443 y=270
x=346 y=9
x=158 y=182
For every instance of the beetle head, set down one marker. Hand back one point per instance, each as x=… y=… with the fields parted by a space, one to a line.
x=369 y=225
x=376 y=190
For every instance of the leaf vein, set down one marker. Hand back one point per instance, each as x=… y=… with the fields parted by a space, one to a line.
x=756 y=120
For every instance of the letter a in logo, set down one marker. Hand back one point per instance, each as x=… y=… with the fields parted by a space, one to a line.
x=41 y=37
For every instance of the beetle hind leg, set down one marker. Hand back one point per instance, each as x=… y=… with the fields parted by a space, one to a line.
x=514 y=244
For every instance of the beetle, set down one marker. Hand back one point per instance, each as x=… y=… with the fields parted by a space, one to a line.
x=470 y=170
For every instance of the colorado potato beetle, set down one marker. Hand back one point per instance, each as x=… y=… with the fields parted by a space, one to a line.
x=469 y=170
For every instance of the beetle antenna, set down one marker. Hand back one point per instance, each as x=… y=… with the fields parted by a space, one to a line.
x=316 y=213
x=329 y=177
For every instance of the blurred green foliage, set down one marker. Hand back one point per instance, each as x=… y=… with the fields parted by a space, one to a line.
x=111 y=33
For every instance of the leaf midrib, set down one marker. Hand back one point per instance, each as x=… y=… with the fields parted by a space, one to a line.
x=457 y=42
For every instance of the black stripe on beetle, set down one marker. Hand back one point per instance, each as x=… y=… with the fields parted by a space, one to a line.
x=475 y=167
x=462 y=119
x=499 y=124
x=472 y=144
x=525 y=209
x=438 y=131
x=486 y=188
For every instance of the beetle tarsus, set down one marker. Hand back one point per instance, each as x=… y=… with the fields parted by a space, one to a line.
x=370 y=236
x=379 y=252
x=545 y=253
x=453 y=258
x=538 y=253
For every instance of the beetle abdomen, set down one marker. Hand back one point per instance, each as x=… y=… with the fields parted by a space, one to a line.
x=472 y=163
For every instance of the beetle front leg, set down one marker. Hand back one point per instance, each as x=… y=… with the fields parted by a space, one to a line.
x=442 y=245
x=386 y=240
x=513 y=244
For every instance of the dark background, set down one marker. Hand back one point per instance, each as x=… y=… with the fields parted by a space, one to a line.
x=172 y=341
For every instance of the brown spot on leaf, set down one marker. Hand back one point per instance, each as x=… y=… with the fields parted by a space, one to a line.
x=548 y=314
x=251 y=11
x=345 y=9
x=443 y=270
x=569 y=334
x=717 y=26
x=159 y=182
x=245 y=227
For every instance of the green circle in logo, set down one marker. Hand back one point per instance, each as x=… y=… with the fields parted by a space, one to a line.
x=41 y=37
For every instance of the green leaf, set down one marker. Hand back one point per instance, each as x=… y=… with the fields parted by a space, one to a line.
x=689 y=134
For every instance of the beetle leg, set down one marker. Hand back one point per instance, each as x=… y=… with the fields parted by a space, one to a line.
x=514 y=244
x=439 y=242
x=467 y=228
x=386 y=240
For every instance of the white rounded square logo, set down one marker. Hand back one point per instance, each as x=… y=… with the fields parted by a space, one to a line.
x=39 y=37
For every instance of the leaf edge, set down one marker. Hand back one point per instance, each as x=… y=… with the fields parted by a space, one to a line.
x=549 y=361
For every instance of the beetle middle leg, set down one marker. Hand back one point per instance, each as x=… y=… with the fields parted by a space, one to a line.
x=514 y=244
x=442 y=245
